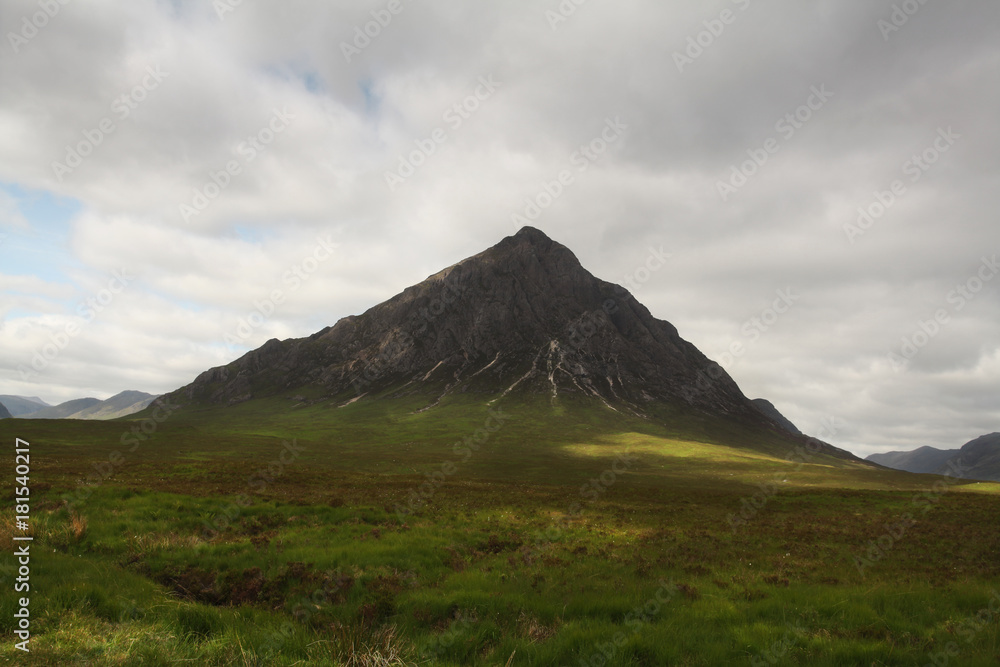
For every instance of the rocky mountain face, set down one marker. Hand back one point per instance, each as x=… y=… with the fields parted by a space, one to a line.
x=982 y=456
x=521 y=317
x=977 y=459
x=767 y=408
x=4 y=412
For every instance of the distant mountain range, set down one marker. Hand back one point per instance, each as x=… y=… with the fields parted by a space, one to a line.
x=4 y=412
x=22 y=405
x=977 y=459
x=119 y=405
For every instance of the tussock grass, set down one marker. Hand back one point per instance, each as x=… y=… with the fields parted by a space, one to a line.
x=510 y=561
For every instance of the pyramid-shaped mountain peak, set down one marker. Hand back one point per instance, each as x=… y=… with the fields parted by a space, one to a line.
x=520 y=317
x=528 y=247
x=533 y=235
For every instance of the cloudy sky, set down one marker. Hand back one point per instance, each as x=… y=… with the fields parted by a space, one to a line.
x=170 y=169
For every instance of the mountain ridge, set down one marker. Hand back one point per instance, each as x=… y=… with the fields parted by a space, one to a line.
x=22 y=405
x=122 y=404
x=768 y=408
x=977 y=459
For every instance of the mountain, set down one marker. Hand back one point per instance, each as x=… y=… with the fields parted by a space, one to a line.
x=977 y=459
x=982 y=455
x=767 y=407
x=22 y=405
x=63 y=410
x=522 y=318
x=923 y=459
x=119 y=405
x=4 y=412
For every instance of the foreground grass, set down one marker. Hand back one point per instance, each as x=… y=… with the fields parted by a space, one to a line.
x=543 y=547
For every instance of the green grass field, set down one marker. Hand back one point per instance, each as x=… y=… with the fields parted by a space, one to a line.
x=269 y=534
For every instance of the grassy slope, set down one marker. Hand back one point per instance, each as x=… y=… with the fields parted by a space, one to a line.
x=533 y=544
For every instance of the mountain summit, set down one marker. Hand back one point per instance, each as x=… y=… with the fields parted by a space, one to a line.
x=522 y=317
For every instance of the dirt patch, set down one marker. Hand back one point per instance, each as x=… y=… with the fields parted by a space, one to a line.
x=247 y=587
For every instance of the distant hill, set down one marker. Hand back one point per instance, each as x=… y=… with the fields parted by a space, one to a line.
x=977 y=459
x=768 y=409
x=22 y=405
x=119 y=405
x=63 y=410
x=4 y=412
x=924 y=459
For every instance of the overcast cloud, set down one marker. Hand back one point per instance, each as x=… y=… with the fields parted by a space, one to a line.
x=250 y=154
